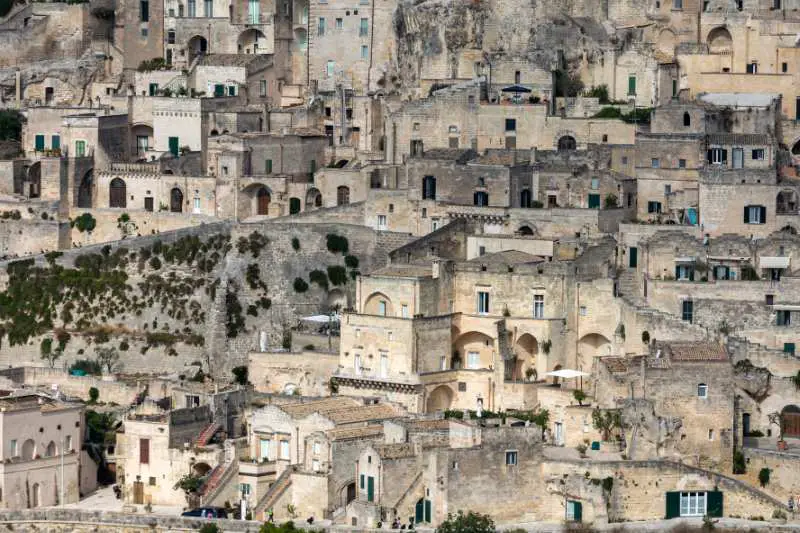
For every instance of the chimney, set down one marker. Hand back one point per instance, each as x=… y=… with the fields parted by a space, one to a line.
x=436 y=265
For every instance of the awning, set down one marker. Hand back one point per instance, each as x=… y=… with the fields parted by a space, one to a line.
x=786 y=307
x=567 y=373
x=515 y=89
x=727 y=258
x=685 y=259
x=320 y=319
x=773 y=262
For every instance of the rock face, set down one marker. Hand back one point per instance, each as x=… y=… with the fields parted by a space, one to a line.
x=199 y=297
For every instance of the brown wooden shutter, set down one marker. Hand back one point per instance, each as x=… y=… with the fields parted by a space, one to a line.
x=144 y=451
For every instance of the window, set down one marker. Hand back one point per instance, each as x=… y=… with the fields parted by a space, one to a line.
x=574 y=511
x=684 y=272
x=710 y=434
x=315 y=448
x=144 y=451
x=655 y=163
x=14 y=451
x=361 y=482
x=357 y=364
x=687 y=310
x=653 y=207
x=404 y=310
x=769 y=299
x=39 y=143
x=364 y=51
x=784 y=67
x=758 y=154
x=624 y=160
x=480 y=198
x=231 y=90
x=511 y=124
x=511 y=458
x=429 y=188
x=321 y=26
x=254 y=11
x=382 y=308
x=595 y=184
x=702 y=390
x=284 y=449
x=667 y=190
x=268 y=166
x=583 y=310
x=776 y=4
x=382 y=222
x=687 y=119
x=693 y=503
x=244 y=489
x=483 y=302
x=171 y=37
x=80 y=148
x=209 y=8
x=473 y=360
x=752 y=68
x=717 y=156
x=631 y=85
x=384 y=365
x=681 y=163
x=315 y=465
x=192 y=11
x=755 y=214
x=783 y=318
x=677 y=4
x=152 y=89
x=339 y=24
x=330 y=67
x=594 y=201
x=363 y=29
x=538 y=306
x=144 y=10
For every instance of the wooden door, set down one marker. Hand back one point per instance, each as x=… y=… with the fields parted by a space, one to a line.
x=176 y=200
x=262 y=202
x=138 y=492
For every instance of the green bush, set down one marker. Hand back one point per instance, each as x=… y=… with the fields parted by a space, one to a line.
x=210 y=528
x=763 y=476
x=609 y=112
x=337 y=274
x=85 y=222
x=88 y=366
x=10 y=121
x=467 y=523
x=337 y=244
x=240 y=375
x=739 y=463
x=300 y=285
x=351 y=261
x=295 y=244
x=94 y=395
x=155 y=263
x=233 y=310
x=320 y=278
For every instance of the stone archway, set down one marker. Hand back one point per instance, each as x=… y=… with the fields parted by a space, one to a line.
x=526 y=348
x=439 y=399
x=567 y=143
x=379 y=304
x=313 y=198
x=201 y=469
x=590 y=346
x=176 y=200
x=719 y=41
x=790 y=421
x=476 y=349
x=252 y=41
x=197 y=46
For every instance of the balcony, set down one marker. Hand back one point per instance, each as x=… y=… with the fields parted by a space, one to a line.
x=256 y=469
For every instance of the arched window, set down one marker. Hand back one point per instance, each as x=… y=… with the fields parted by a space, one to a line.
x=51 y=450
x=567 y=142
x=687 y=119
x=342 y=195
x=702 y=390
x=116 y=193
x=176 y=200
x=480 y=198
x=525 y=198
x=429 y=188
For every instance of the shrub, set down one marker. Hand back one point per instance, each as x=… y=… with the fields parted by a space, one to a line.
x=467 y=523
x=337 y=274
x=600 y=92
x=579 y=396
x=240 y=375
x=337 y=244
x=124 y=346
x=611 y=201
x=300 y=285
x=10 y=120
x=233 y=313
x=646 y=337
x=210 y=528
x=351 y=261
x=295 y=244
x=763 y=476
x=739 y=463
x=155 y=263
x=609 y=112
x=252 y=310
x=778 y=514
x=85 y=222
x=320 y=278
x=94 y=395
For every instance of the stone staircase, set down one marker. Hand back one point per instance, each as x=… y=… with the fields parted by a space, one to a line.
x=504 y=349
x=629 y=286
x=218 y=481
x=275 y=491
x=205 y=435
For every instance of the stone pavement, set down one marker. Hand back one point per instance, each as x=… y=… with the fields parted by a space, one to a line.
x=104 y=499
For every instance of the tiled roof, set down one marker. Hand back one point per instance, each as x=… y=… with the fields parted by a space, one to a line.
x=695 y=351
x=746 y=139
x=396 y=451
x=342 y=410
x=355 y=433
x=615 y=365
x=430 y=424
x=323 y=407
x=363 y=414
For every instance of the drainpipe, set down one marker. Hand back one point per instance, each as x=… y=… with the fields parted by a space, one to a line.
x=371 y=46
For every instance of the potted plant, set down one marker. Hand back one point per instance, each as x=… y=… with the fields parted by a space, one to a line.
x=531 y=374
x=579 y=396
x=777 y=419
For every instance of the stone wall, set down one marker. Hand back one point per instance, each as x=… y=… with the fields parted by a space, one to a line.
x=58 y=380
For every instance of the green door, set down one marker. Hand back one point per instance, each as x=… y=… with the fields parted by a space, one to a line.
x=633 y=257
x=788 y=347
x=153 y=89
x=578 y=514
x=294 y=206
x=631 y=85
x=594 y=201
x=219 y=90
x=39 y=146
x=673 y=504
x=268 y=166
x=55 y=142
x=428 y=511
x=714 y=503
x=419 y=510
x=370 y=489
x=173 y=145
x=80 y=148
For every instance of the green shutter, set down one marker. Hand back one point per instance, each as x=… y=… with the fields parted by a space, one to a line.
x=633 y=257
x=173 y=145
x=428 y=511
x=153 y=89
x=370 y=489
x=673 y=504
x=268 y=166
x=39 y=143
x=788 y=347
x=231 y=90
x=714 y=503
x=219 y=90
x=631 y=85
x=578 y=515
x=294 y=206
x=418 y=512
x=594 y=201
x=55 y=142
x=361 y=482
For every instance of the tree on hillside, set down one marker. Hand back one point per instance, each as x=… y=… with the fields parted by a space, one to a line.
x=467 y=523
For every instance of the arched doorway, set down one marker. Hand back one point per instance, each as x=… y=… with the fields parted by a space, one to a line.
x=342 y=195
x=526 y=348
x=791 y=230
x=198 y=45
x=85 y=189
x=294 y=206
x=525 y=230
x=476 y=349
x=720 y=41
x=378 y=304
x=35 y=180
x=786 y=202
x=263 y=199
x=116 y=193
x=440 y=399
x=566 y=143
x=790 y=420
x=201 y=469
x=313 y=198
x=36 y=495
x=348 y=493
x=252 y=41
x=28 y=449
x=591 y=346
x=176 y=200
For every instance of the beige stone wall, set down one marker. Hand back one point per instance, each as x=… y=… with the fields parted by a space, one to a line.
x=309 y=371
